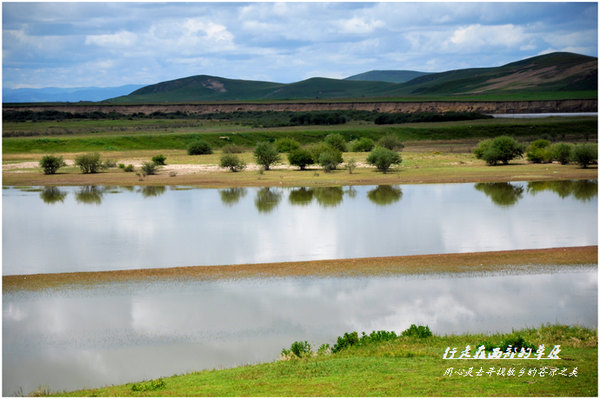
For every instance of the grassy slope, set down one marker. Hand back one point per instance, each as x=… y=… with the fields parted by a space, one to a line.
x=403 y=367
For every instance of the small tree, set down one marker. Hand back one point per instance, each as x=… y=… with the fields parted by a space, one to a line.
x=159 y=159
x=364 y=144
x=50 y=164
x=89 y=163
x=232 y=162
x=149 y=168
x=266 y=154
x=330 y=159
x=501 y=149
x=391 y=142
x=286 y=144
x=300 y=157
x=199 y=147
x=384 y=158
x=537 y=152
x=561 y=152
x=351 y=165
x=336 y=141
x=585 y=154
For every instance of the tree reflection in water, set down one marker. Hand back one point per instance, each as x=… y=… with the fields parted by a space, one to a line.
x=501 y=194
x=385 y=195
x=301 y=196
x=329 y=196
x=51 y=195
x=232 y=196
x=267 y=199
x=583 y=190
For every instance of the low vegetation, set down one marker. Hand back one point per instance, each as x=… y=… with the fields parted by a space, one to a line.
x=50 y=164
x=383 y=159
x=233 y=162
x=199 y=147
x=383 y=363
x=89 y=163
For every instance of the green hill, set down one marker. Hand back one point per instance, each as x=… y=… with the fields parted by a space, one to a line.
x=387 y=76
x=552 y=73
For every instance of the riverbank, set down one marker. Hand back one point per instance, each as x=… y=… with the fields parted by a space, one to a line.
x=496 y=261
x=404 y=366
x=203 y=171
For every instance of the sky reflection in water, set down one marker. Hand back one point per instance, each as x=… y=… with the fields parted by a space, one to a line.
x=105 y=228
x=126 y=332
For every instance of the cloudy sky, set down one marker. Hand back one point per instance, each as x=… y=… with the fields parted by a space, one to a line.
x=112 y=44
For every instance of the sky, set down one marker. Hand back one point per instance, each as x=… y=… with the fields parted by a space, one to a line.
x=83 y=44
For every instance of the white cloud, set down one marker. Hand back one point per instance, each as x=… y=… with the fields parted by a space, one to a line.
x=357 y=25
x=119 y=39
x=475 y=37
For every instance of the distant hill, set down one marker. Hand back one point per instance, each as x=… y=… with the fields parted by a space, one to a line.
x=556 y=72
x=387 y=76
x=73 y=94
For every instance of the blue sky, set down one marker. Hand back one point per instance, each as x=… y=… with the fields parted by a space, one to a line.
x=112 y=44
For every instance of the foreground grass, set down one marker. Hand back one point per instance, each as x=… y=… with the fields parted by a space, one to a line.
x=405 y=366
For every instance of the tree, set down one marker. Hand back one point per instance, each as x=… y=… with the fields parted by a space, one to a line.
x=561 y=152
x=364 y=144
x=537 y=152
x=336 y=141
x=89 y=163
x=501 y=149
x=266 y=154
x=330 y=159
x=286 y=144
x=384 y=158
x=300 y=157
x=50 y=164
x=232 y=162
x=391 y=142
x=159 y=159
x=199 y=147
x=585 y=154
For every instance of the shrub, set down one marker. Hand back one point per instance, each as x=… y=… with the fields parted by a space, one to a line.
x=585 y=154
x=391 y=142
x=286 y=144
x=128 y=168
x=348 y=340
x=300 y=157
x=89 y=163
x=501 y=149
x=417 y=331
x=351 y=165
x=266 y=154
x=149 y=168
x=121 y=166
x=199 y=147
x=330 y=159
x=50 y=164
x=232 y=149
x=159 y=159
x=384 y=158
x=364 y=144
x=336 y=141
x=561 y=152
x=233 y=162
x=537 y=152
x=300 y=349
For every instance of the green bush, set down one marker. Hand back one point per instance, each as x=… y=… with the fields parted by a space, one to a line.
x=336 y=141
x=364 y=144
x=89 y=163
x=501 y=149
x=149 y=168
x=330 y=159
x=232 y=149
x=266 y=154
x=537 y=152
x=121 y=166
x=199 y=147
x=51 y=163
x=585 y=154
x=391 y=142
x=300 y=348
x=384 y=158
x=417 y=331
x=233 y=162
x=128 y=168
x=561 y=152
x=300 y=157
x=159 y=159
x=348 y=340
x=286 y=144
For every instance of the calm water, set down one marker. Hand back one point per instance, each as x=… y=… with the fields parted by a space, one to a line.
x=117 y=333
x=69 y=229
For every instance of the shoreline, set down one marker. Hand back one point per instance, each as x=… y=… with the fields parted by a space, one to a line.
x=511 y=260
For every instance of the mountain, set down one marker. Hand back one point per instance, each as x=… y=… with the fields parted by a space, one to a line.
x=74 y=94
x=556 y=72
x=387 y=76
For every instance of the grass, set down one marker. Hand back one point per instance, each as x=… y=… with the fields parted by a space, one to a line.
x=405 y=366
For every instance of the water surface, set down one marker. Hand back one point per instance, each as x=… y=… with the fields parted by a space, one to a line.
x=125 y=332
x=70 y=229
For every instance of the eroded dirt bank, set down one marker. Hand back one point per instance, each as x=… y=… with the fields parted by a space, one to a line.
x=490 y=107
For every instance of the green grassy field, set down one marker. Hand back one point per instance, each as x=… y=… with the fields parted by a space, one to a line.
x=405 y=366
